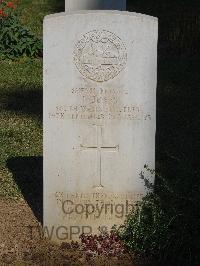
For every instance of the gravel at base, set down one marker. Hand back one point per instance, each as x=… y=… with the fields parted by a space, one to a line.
x=21 y=245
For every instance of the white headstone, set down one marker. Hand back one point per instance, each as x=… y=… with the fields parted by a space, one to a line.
x=100 y=72
x=73 y=5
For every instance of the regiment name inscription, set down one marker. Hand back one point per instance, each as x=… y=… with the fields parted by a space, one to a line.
x=99 y=103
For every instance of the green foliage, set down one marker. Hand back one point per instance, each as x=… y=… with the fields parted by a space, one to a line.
x=160 y=230
x=146 y=231
x=15 y=39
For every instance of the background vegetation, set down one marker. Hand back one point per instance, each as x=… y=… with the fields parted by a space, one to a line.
x=166 y=226
x=16 y=40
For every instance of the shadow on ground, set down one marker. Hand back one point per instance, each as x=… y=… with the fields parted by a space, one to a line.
x=58 y=6
x=28 y=174
x=23 y=100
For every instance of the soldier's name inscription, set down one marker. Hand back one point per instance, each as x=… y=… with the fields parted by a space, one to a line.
x=99 y=104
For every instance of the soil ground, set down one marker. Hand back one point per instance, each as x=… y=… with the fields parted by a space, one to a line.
x=22 y=244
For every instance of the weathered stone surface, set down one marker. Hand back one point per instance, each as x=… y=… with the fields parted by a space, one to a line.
x=73 y=5
x=99 y=117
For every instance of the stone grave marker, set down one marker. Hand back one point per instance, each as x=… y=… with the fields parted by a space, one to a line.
x=100 y=72
x=73 y=5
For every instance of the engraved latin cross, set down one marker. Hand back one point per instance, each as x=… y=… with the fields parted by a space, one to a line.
x=99 y=148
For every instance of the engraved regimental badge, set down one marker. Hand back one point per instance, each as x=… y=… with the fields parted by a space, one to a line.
x=100 y=55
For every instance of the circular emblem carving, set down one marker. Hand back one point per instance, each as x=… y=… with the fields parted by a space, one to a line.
x=100 y=55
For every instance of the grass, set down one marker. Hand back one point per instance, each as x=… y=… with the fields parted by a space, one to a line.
x=34 y=11
x=21 y=111
x=20 y=117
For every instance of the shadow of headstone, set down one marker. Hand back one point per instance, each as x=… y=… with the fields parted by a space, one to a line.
x=23 y=100
x=28 y=174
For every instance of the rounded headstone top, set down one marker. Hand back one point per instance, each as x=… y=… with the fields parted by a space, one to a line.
x=105 y=12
